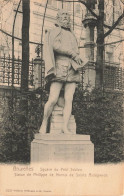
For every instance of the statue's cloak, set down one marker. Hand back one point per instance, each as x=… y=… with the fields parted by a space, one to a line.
x=48 y=51
x=49 y=58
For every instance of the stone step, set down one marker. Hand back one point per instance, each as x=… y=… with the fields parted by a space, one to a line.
x=60 y=125
x=56 y=121
x=60 y=120
x=59 y=117
x=57 y=108
x=64 y=137
x=57 y=112
x=59 y=131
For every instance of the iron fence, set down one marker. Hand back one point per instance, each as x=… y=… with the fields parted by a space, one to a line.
x=113 y=78
x=6 y=71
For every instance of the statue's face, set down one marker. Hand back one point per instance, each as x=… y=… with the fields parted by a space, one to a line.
x=63 y=18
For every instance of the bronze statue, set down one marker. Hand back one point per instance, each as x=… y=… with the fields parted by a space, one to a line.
x=62 y=63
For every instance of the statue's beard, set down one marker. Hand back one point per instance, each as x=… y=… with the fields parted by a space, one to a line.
x=65 y=24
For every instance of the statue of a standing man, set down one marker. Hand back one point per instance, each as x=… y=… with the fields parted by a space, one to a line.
x=62 y=61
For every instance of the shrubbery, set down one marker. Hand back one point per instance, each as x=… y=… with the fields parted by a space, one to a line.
x=101 y=116
x=18 y=127
x=97 y=114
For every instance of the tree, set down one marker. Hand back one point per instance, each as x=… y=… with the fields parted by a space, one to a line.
x=25 y=70
x=100 y=44
x=25 y=45
x=101 y=35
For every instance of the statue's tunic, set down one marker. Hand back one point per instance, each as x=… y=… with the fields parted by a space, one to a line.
x=63 y=45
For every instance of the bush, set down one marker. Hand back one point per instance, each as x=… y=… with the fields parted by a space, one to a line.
x=101 y=116
x=97 y=114
x=19 y=125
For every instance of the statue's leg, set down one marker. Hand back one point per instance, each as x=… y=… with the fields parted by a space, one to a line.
x=53 y=97
x=69 y=92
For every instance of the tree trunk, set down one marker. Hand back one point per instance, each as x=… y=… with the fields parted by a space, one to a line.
x=24 y=79
x=100 y=45
x=25 y=45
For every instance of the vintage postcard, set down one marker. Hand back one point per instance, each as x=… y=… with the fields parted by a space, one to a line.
x=61 y=98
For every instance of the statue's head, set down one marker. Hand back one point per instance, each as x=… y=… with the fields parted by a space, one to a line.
x=63 y=18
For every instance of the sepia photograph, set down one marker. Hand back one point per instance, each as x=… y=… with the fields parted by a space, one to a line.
x=61 y=97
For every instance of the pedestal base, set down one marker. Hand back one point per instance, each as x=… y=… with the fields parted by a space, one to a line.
x=62 y=147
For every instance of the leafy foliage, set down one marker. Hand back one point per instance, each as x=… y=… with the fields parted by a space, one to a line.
x=101 y=116
x=97 y=114
x=19 y=125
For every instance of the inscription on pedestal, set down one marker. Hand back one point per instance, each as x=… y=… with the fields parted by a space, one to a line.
x=51 y=147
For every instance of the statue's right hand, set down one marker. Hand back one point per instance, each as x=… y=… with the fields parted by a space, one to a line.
x=78 y=60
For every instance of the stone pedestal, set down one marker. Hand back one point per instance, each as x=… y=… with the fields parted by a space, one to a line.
x=62 y=147
x=56 y=121
x=57 y=146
